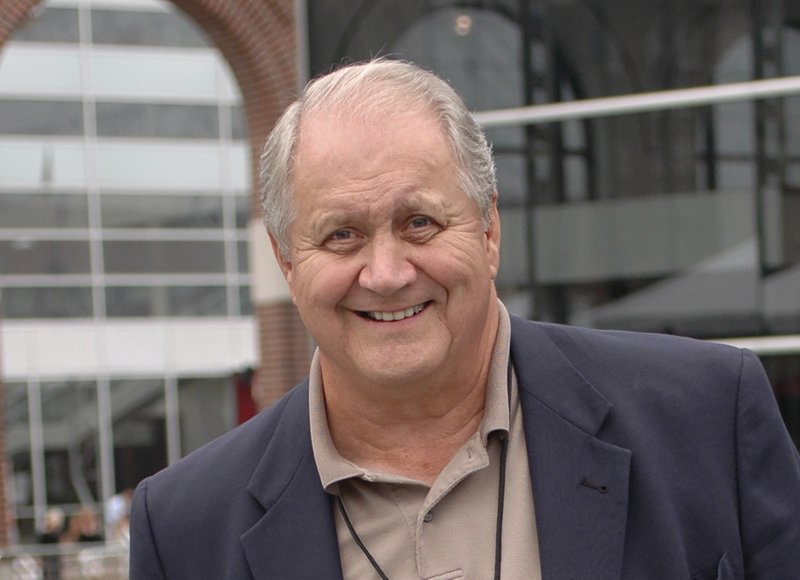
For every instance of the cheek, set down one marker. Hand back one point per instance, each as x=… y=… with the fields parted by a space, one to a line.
x=458 y=265
x=321 y=283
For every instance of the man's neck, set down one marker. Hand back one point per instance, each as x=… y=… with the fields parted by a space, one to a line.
x=404 y=441
x=412 y=430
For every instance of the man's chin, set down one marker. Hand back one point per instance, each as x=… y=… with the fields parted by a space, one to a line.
x=389 y=367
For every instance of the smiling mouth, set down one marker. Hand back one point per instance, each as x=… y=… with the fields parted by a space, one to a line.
x=382 y=316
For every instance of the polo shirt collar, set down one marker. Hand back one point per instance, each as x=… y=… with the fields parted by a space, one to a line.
x=334 y=468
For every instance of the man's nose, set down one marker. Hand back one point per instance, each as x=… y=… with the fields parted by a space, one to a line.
x=388 y=268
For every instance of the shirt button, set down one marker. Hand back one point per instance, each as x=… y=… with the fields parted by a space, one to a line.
x=428 y=516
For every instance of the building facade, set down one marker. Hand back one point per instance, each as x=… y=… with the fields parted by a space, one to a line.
x=136 y=278
x=681 y=220
x=126 y=212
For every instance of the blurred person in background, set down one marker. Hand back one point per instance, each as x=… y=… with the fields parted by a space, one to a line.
x=84 y=526
x=117 y=511
x=52 y=534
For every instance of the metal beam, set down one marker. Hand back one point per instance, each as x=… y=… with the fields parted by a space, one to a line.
x=641 y=102
x=766 y=345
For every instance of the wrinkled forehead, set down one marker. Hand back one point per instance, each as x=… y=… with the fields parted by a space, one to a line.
x=342 y=143
x=329 y=130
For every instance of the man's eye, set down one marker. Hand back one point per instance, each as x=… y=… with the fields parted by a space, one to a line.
x=339 y=235
x=420 y=222
x=342 y=241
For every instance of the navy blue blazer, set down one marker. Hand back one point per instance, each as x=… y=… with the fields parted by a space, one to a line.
x=695 y=476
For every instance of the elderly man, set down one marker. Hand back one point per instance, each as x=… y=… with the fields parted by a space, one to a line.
x=437 y=437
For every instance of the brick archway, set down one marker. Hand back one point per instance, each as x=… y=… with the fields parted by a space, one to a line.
x=258 y=39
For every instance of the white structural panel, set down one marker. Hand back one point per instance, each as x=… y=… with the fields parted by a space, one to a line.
x=154 y=347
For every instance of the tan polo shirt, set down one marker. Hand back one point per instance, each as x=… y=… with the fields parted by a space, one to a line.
x=446 y=530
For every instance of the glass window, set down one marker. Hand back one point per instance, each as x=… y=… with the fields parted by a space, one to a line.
x=43 y=211
x=137 y=301
x=515 y=258
x=57 y=302
x=791 y=48
x=142 y=28
x=207 y=410
x=43 y=72
x=155 y=166
x=150 y=74
x=733 y=124
x=474 y=48
x=197 y=300
x=243 y=204
x=244 y=256
x=41 y=164
x=245 y=301
x=167 y=257
x=18 y=453
x=30 y=256
x=161 y=211
x=139 y=429
x=238 y=124
x=161 y=301
x=511 y=178
x=505 y=139
x=41 y=117
x=49 y=24
x=71 y=442
x=240 y=167
x=157 y=120
x=17 y=440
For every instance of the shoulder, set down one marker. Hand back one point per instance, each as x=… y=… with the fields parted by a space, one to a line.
x=650 y=380
x=173 y=509
x=623 y=353
x=622 y=341
x=222 y=468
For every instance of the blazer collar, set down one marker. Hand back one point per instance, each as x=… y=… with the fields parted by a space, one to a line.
x=580 y=483
x=296 y=537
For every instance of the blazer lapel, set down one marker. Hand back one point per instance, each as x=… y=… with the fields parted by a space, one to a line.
x=580 y=483
x=296 y=537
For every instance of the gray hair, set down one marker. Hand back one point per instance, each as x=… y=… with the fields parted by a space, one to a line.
x=378 y=85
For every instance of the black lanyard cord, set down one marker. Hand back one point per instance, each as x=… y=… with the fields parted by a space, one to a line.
x=498 y=535
x=357 y=539
x=501 y=496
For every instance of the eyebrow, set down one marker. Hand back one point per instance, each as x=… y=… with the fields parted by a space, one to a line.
x=333 y=218
x=354 y=212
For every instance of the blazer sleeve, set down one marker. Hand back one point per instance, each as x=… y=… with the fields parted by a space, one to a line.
x=768 y=470
x=145 y=563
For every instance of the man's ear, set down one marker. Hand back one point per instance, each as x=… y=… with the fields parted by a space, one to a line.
x=492 y=234
x=284 y=264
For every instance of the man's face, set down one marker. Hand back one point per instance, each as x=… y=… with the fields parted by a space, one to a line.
x=389 y=265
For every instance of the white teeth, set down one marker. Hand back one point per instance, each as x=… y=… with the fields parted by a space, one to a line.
x=399 y=315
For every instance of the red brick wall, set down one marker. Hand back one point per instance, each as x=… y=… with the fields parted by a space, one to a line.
x=285 y=348
x=12 y=13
